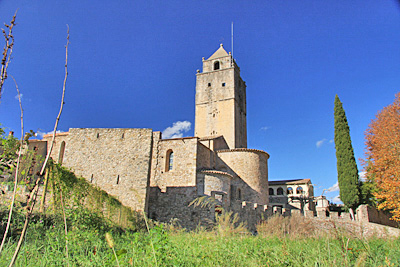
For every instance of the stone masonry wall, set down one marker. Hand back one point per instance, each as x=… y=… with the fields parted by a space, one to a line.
x=183 y=171
x=365 y=213
x=205 y=157
x=117 y=160
x=171 y=191
x=249 y=165
x=173 y=206
x=216 y=184
x=60 y=137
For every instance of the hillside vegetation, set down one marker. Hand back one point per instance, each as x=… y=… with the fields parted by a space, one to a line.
x=280 y=242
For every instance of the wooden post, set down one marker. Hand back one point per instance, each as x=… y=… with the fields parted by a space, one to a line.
x=46 y=179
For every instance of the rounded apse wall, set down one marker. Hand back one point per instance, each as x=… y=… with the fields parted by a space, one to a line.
x=251 y=165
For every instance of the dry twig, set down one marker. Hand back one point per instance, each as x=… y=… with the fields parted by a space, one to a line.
x=33 y=195
x=16 y=171
x=7 y=51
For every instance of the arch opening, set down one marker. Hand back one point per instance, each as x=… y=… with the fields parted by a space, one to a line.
x=169 y=166
x=279 y=191
x=216 y=65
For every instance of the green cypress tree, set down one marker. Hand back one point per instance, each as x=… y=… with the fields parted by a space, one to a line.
x=346 y=163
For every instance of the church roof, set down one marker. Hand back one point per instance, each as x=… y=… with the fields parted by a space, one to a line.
x=219 y=53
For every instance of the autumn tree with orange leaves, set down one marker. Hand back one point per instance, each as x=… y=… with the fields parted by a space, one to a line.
x=382 y=163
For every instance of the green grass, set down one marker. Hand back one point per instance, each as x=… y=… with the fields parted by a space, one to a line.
x=44 y=246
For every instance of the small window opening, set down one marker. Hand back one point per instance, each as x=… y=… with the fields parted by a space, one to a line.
x=239 y=194
x=271 y=192
x=118 y=179
x=209 y=84
x=223 y=84
x=91 y=179
x=299 y=190
x=98 y=135
x=214 y=115
x=123 y=135
x=170 y=160
x=216 y=65
x=279 y=191
x=290 y=190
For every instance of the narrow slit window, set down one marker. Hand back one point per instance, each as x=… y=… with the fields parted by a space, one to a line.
x=117 y=179
x=170 y=160
x=91 y=179
x=223 y=84
x=98 y=135
x=209 y=84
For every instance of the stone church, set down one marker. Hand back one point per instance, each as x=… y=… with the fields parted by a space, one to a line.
x=162 y=176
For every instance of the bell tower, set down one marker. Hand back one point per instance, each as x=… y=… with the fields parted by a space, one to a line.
x=221 y=100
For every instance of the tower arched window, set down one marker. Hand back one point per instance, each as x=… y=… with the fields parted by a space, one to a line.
x=299 y=190
x=216 y=65
x=290 y=190
x=279 y=191
x=169 y=160
x=271 y=192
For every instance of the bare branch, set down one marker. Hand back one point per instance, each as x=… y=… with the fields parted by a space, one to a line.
x=7 y=51
x=61 y=108
x=17 y=169
x=33 y=195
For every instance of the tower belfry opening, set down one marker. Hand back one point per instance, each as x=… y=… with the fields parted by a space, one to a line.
x=227 y=98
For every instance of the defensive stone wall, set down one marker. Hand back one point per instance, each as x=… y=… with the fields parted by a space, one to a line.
x=216 y=184
x=178 y=172
x=251 y=166
x=365 y=213
x=117 y=160
x=173 y=206
x=251 y=213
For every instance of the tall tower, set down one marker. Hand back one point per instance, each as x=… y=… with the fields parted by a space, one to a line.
x=221 y=100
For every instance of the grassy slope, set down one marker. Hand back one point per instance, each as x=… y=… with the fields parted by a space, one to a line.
x=88 y=248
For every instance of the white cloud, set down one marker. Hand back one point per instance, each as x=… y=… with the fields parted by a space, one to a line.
x=177 y=129
x=264 y=128
x=336 y=199
x=16 y=96
x=333 y=188
x=40 y=134
x=362 y=176
x=323 y=141
x=320 y=143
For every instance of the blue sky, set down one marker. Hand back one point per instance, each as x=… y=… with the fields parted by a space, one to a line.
x=132 y=64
